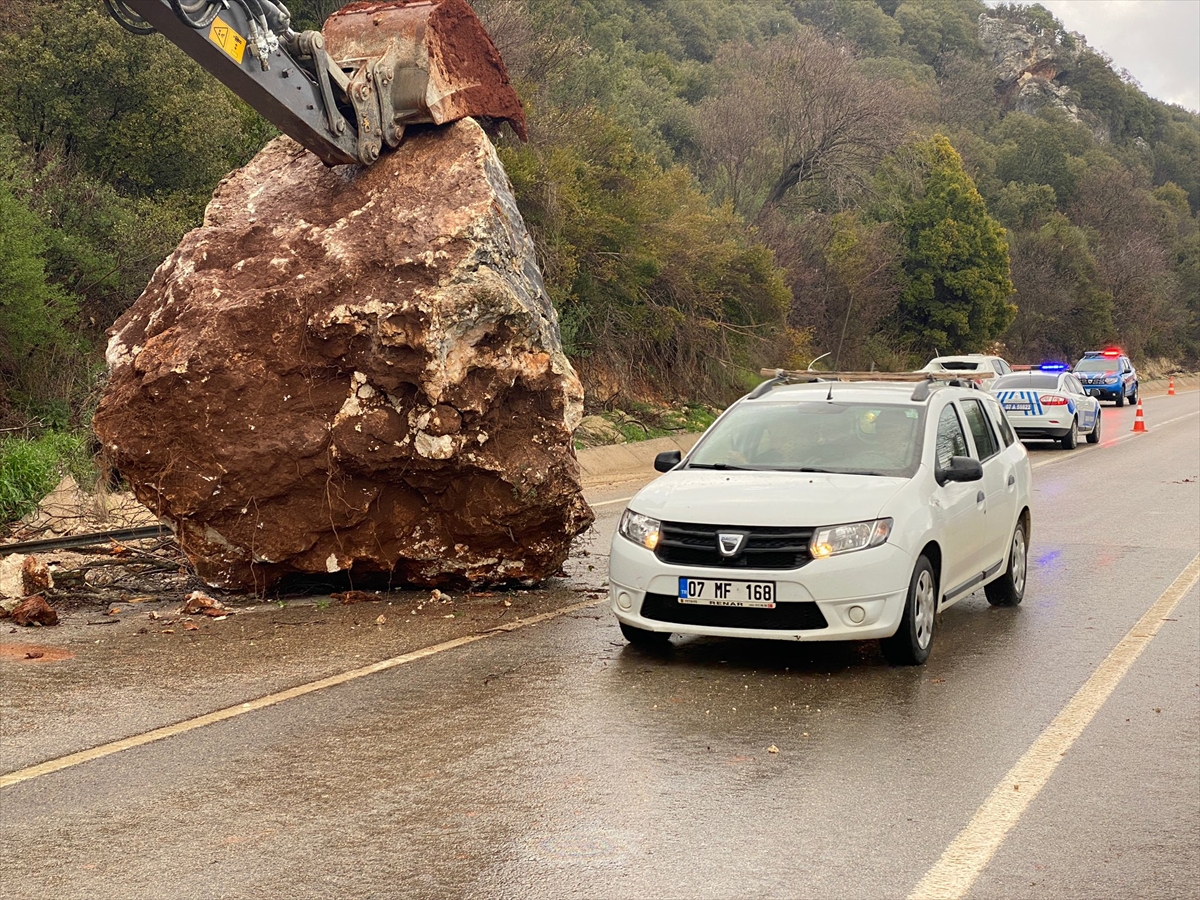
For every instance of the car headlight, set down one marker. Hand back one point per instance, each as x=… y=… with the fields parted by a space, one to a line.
x=1111 y=379
x=848 y=538
x=640 y=529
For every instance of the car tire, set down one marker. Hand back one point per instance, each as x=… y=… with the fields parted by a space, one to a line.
x=911 y=643
x=1121 y=397
x=1133 y=396
x=1093 y=436
x=642 y=637
x=1071 y=438
x=1009 y=588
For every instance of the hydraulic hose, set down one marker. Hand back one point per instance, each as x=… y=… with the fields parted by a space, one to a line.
x=127 y=18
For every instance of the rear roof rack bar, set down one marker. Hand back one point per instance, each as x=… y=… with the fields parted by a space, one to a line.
x=924 y=381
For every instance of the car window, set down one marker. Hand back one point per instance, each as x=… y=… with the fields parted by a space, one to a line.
x=809 y=435
x=981 y=430
x=1000 y=420
x=1072 y=384
x=950 y=438
x=1021 y=381
x=1005 y=368
x=1097 y=364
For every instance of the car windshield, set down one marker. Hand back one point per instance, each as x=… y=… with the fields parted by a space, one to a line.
x=1098 y=364
x=815 y=436
x=1039 y=381
x=960 y=365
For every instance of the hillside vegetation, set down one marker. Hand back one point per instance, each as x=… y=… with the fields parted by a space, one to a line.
x=712 y=186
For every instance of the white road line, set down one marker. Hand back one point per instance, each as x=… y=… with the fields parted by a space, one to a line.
x=137 y=740
x=967 y=856
x=611 y=502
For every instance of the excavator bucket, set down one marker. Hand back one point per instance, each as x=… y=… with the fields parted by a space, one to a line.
x=429 y=61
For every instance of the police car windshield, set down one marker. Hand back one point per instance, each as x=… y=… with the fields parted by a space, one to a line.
x=1023 y=380
x=1098 y=364
x=815 y=436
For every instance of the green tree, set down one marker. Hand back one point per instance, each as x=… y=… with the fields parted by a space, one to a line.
x=132 y=111
x=32 y=311
x=955 y=254
x=1062 y=308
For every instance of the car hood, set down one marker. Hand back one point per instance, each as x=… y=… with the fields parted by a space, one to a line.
x=764 y=498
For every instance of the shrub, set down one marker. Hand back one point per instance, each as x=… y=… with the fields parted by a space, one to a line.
x=30 y=469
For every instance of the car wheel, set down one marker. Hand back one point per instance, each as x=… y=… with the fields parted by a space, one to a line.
x=642 y=637
x=1121 y=397
x=910 y=645
x=1133 y=396
x=1071 y=438
x=1009 y=588
x=1093 y=436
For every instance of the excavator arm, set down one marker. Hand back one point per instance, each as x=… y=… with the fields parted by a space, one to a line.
x=350 y=89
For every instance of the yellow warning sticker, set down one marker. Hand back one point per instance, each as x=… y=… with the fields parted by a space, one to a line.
x=227 y=39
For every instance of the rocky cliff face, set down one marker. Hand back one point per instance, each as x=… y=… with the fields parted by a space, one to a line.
x=355 y=370
x=1028 y=67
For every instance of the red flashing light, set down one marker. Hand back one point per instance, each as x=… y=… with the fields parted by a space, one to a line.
x=1112 y=351
x=1052 y=401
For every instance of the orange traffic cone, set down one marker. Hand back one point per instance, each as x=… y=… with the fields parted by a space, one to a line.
x=1139 y=422
x=1171 y=387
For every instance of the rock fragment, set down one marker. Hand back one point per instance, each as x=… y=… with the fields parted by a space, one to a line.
x=34 y=611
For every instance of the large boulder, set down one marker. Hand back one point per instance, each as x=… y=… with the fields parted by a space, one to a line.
x=353 y=369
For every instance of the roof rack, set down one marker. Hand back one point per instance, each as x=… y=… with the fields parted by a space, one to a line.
x=924 y=381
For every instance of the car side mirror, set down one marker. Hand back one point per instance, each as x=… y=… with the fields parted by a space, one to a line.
x=961 y=468
x=667 y=460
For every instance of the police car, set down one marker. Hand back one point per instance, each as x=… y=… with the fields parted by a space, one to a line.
x=1049 y=403
x=1108 y=375
x=829 y=511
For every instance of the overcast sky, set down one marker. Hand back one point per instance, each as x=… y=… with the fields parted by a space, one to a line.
x=1158 y=41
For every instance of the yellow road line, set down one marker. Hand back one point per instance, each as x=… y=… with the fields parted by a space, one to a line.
x=962 y=862
x=221 y=715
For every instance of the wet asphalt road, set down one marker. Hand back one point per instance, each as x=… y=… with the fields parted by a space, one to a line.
x=553 y=761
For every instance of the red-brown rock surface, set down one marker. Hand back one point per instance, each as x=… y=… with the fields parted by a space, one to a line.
x=353 y=369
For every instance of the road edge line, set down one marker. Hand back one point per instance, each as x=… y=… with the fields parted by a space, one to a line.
x=968 y=854
x=157 y=734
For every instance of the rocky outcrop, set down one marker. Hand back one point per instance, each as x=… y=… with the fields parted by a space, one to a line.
x=356 y=370
x=1029 y=66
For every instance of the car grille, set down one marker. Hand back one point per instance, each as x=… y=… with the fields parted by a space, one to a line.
x=765 y=548
x=799 y=616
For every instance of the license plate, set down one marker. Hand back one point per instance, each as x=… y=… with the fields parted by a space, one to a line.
x=1017 y=407
x=720 y=592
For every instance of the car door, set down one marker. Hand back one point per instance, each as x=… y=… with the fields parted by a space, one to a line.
x=998 y=485
x=959 y=507
x=1088 y=407
x=1014 y=463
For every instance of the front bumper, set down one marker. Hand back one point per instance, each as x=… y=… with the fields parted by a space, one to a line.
x=817 y=602
x=1104 y=392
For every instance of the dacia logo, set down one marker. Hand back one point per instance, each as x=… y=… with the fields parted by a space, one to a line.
x=730 y=542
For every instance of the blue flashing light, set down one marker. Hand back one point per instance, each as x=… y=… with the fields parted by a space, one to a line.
x=1054 y=367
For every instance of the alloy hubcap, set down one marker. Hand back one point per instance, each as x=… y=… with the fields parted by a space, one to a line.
x=923 y=609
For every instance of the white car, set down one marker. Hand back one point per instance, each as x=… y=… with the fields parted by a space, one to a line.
x=981 y=369
x=1051 y=404
x=830 y=511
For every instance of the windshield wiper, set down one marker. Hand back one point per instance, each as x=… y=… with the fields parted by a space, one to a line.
x=721 y=466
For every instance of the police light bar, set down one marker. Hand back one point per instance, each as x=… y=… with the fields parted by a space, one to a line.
x=1054 y=367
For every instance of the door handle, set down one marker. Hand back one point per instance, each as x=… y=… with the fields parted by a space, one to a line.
x=1012 y=479
x=980 y=497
